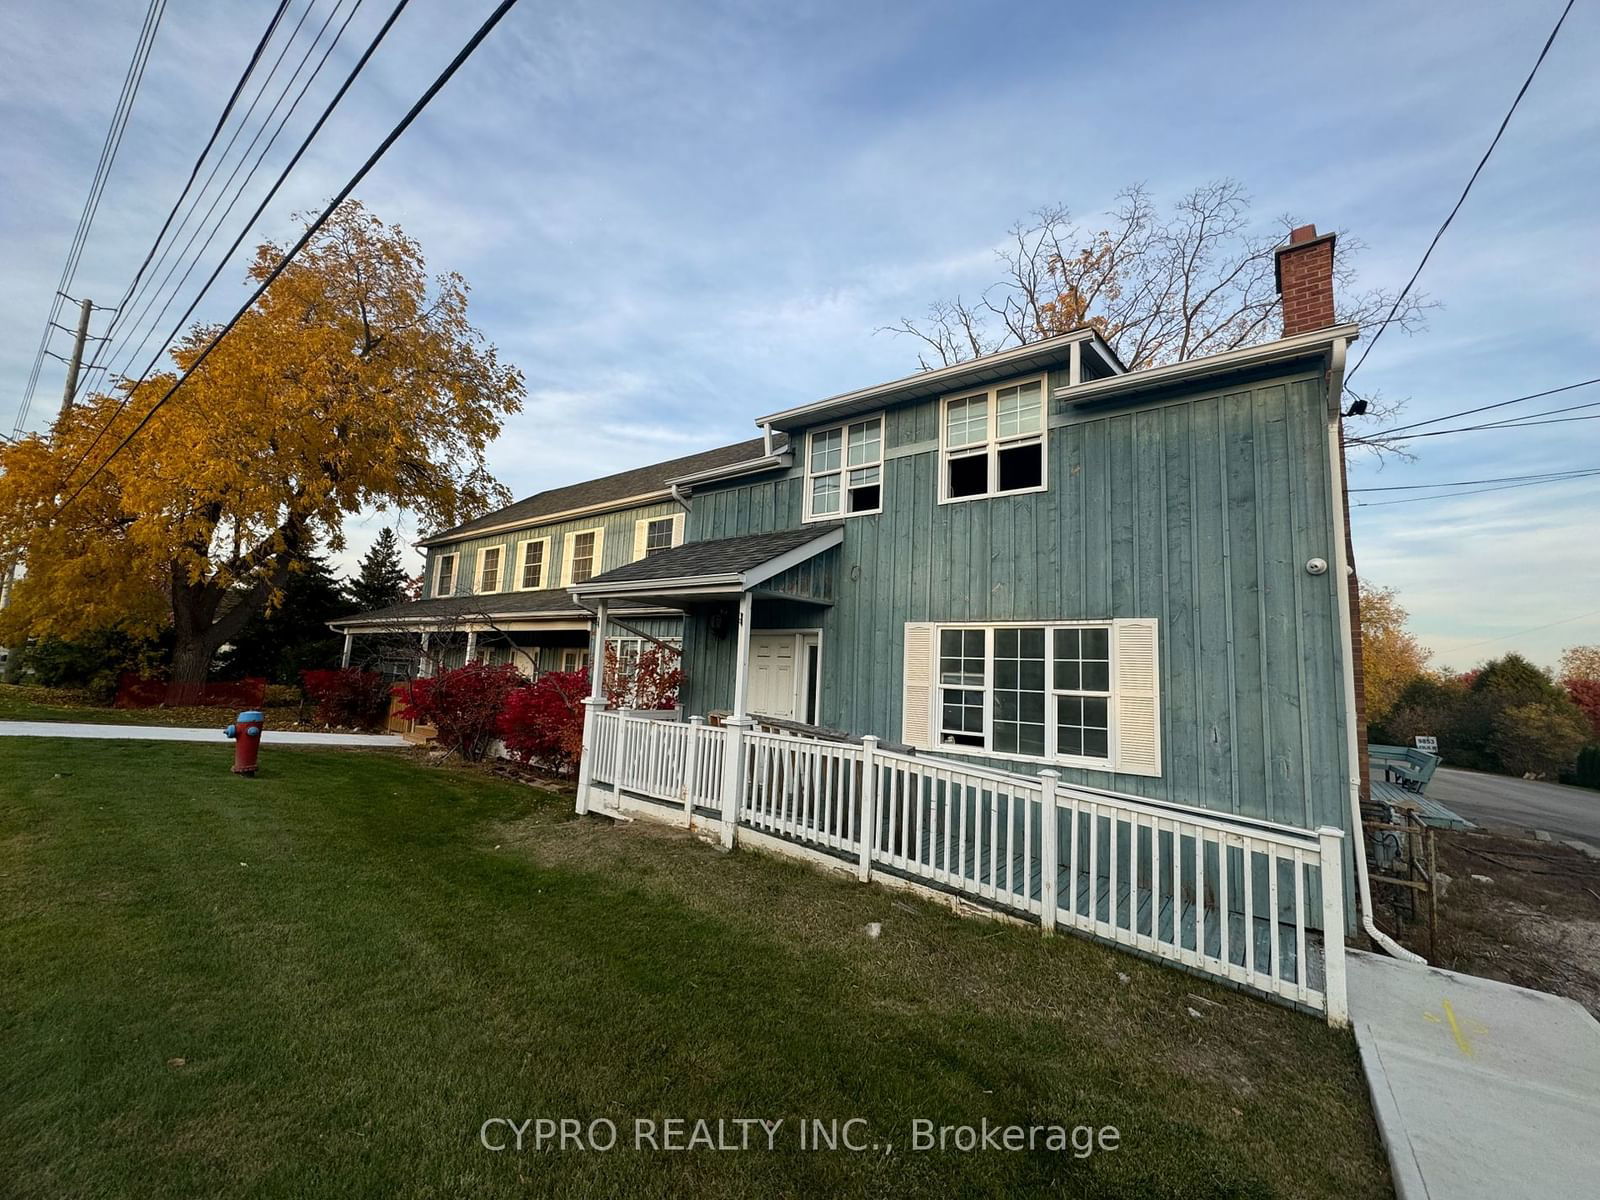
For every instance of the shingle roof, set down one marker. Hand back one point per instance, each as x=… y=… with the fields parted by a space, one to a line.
x=622 y=486
x=547 y=603
x=721 y=556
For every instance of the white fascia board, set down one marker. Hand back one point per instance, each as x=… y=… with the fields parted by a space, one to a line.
x=931 y=382
x=793 y=558
x=754 y=466
x=1197 y=368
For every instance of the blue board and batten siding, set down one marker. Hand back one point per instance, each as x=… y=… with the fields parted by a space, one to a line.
x=1200 y=511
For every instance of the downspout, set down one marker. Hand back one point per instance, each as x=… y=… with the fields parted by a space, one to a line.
x=1358 y=846
x=679 y=497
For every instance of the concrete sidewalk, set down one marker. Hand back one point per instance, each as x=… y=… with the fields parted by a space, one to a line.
x=165 y=733
x=1480 y=1088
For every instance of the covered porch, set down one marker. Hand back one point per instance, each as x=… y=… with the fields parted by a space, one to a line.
x=753 y=608
x=537 y=632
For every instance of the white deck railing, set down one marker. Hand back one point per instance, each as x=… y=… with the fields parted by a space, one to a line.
x=1257 y=904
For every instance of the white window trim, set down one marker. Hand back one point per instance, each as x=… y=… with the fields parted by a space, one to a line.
x=641 y=531
x=936 y=724
x=993 y=443
x=499 y=573
x=453 y=559
x=522 y=563
x=843 y=427
x=570 y=541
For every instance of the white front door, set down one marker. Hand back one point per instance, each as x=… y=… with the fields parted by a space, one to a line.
x=772 y=675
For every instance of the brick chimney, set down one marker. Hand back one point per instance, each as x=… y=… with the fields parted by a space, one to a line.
x=1305 y=280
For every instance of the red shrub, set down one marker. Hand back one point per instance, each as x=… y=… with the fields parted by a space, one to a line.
x=1585 y=694
x=350 y=697
x=543 y=722
x=464 y=705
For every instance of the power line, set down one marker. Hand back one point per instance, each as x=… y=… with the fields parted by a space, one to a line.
x=238 y=193
x=1504 y=487
x=393 y=136
x=1467 y=412
x=1522 y=91
x=1521 y=423
x=124 y=305
x=1535 y=629
x=108 y=154
x=261 y=207
x=1417 y=487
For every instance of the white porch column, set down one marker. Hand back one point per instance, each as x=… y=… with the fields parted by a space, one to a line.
x=594 y=703
x=472 y=644
x=425 y=667
x=733 y=775
x=344 y=656
x=741 y=663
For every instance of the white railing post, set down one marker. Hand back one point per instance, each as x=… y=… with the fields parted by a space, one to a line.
x=592 y=706
x=1048 y=854
x=1331 y=846
x=691 y=765
x=868 y=830
x=621 y=759
x=733 y=777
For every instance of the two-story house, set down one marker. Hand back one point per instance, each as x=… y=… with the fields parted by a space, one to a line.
x=1038 y=560
x=497 y=588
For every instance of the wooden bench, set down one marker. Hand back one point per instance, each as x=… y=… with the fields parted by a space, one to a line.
x=1405 y=766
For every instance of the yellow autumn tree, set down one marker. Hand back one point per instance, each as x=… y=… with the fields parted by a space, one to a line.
x=356 y=381
x=1391 y=655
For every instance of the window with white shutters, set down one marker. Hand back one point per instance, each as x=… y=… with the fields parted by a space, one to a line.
x=1077 y=693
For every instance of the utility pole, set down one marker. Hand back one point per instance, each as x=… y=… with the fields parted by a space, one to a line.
x=75 y=363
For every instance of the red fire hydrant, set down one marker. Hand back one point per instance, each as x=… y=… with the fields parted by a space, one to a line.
x=246 y=735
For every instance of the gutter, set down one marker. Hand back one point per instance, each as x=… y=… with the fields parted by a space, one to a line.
x=1347 y=655
x=781 y=459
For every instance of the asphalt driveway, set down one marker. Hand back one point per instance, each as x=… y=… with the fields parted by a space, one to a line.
x=1568 y=812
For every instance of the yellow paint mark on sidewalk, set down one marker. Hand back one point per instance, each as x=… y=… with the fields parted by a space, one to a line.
x=1458 y=1029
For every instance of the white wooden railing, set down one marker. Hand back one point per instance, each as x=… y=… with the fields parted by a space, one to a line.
x=1255 y=903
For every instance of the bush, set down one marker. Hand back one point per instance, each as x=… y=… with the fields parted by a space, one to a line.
x=464 y=705
x=1587 y=772
x=649 y=683
x=348 y=696
x=1538 y=739
x=282 y=695
x=542 y=724
x=93 y=663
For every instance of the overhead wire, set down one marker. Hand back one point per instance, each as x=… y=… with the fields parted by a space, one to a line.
x=127 y=355
x=123 y=305
x=444 y=77
x=1462 y=199
x=91 y=206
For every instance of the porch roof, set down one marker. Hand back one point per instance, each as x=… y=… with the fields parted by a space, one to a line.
x=533 y=609
x=721 y=566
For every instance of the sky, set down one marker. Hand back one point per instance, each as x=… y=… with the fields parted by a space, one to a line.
x=675 y=217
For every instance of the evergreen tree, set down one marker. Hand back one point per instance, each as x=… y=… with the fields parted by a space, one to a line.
x=294 y=635
x=382 y=580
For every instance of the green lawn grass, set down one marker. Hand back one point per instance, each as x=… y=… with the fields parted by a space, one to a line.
x=324 y=980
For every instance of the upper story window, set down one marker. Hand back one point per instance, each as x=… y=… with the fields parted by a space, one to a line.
x=992 y=443
x=844 y=470
x=534 y=553
x=583 y=555
x=444 y=575
x=652 y=535
x=489 y=568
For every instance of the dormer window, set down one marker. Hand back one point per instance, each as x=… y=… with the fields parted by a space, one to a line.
x=844 y=470
x=992 y=443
